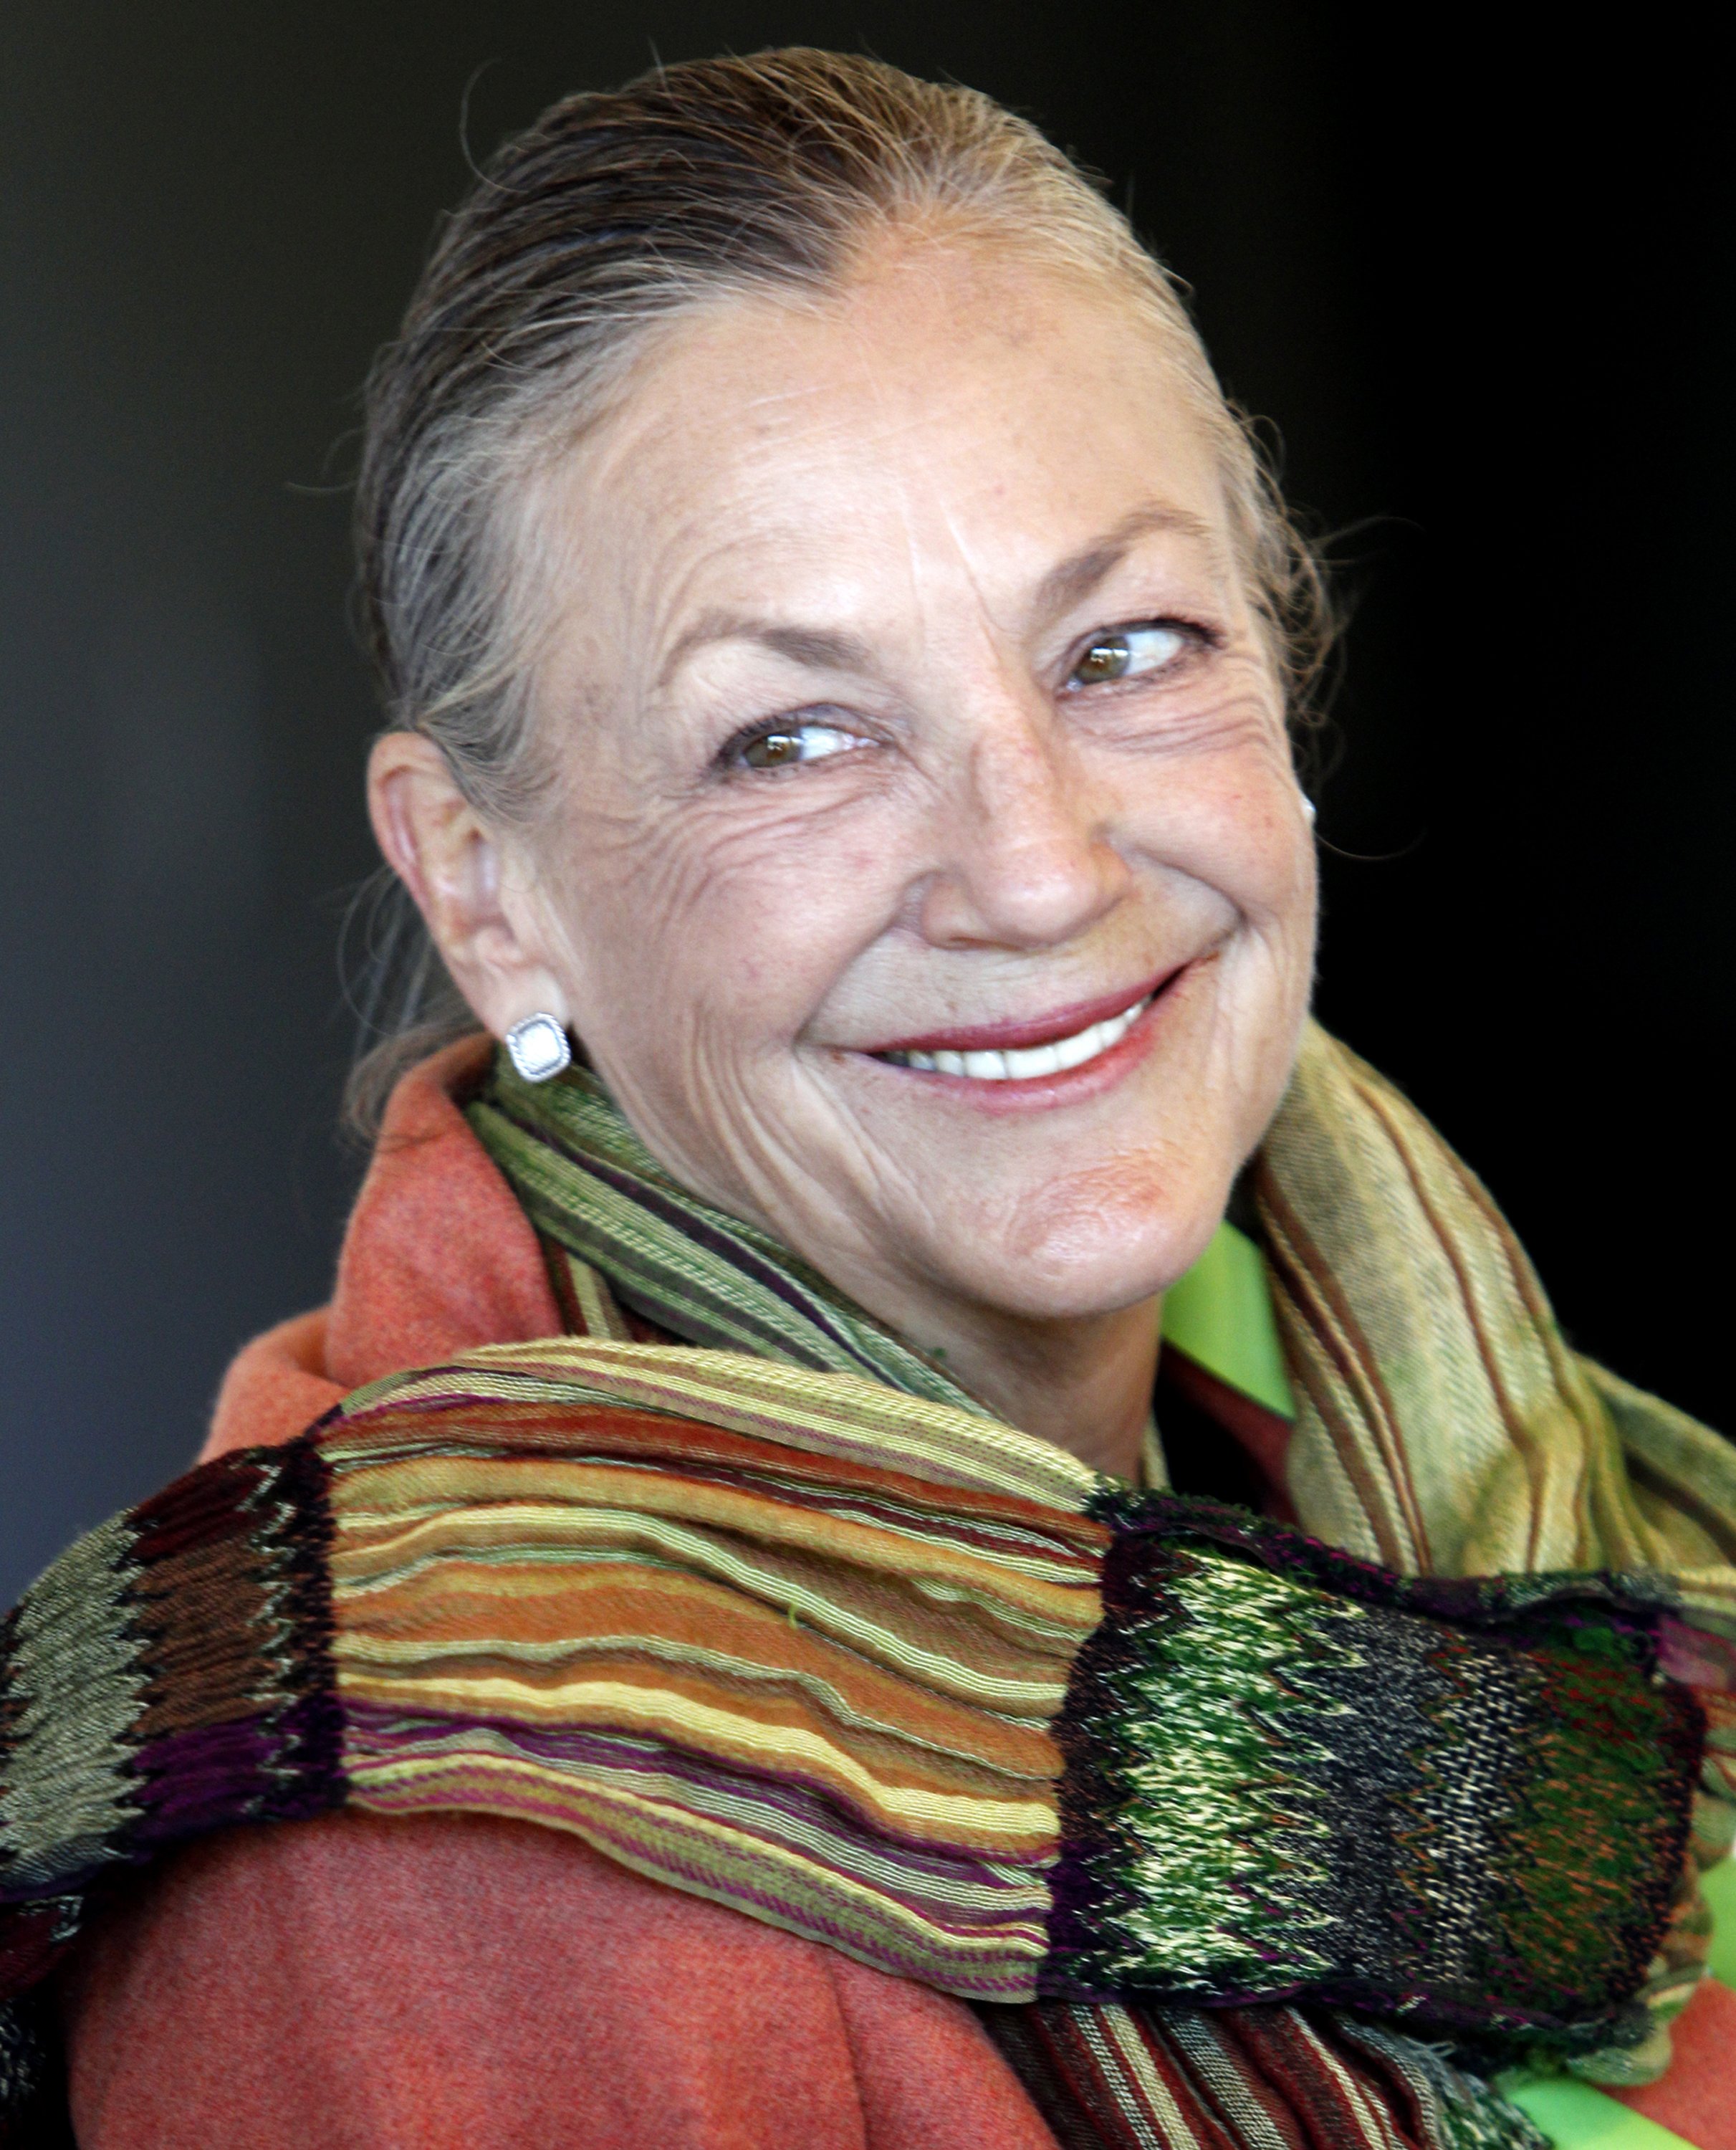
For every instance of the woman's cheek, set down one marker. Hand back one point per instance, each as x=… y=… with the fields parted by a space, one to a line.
x=782 y=923
x=743 y=981
x=1248 y=837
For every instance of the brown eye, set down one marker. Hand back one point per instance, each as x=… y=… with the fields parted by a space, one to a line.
x=784 y=746
x=1135 y=653
x=1105 y=659
x=772 y=750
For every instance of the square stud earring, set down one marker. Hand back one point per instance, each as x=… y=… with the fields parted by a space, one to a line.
x=540 y=1047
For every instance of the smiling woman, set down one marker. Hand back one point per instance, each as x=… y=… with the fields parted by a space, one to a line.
x=921 y=1516
x=925 y=710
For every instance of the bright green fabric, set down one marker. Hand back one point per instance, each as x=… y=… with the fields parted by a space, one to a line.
x=1575 y=2116
x=1220 y=1315
x=1718 y=1888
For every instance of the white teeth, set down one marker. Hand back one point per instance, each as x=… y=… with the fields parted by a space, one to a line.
x=1074 y=1052
x=1020 y=1066
x=1035 y=1060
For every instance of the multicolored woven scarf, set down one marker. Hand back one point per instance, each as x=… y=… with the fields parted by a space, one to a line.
x=1224 y=1827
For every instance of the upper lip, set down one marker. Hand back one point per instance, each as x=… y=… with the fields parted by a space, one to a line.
x=1029 y=1030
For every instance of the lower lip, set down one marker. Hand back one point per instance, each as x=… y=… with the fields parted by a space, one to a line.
x=1072 y=1086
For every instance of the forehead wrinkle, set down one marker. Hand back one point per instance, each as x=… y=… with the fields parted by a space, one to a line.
x=791 y=392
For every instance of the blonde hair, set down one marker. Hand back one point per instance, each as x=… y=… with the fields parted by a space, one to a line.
x=614 y=214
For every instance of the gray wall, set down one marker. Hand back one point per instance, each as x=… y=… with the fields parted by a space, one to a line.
x=1485 y=311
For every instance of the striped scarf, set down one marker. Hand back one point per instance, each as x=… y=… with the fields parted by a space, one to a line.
x=1207 y=1816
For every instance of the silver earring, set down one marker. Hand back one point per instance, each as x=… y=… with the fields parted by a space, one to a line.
x=540 y=1047
x=1308 y=806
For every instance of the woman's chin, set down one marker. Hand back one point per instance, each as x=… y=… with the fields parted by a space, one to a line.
x=1094 y=1244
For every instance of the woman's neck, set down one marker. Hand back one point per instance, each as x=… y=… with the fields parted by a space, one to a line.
x=1084 y=1383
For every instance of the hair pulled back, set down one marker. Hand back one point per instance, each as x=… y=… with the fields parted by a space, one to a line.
x=616 y=213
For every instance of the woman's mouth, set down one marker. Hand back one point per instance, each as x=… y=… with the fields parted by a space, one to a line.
x=1074 y=1051
x=1022 y=1063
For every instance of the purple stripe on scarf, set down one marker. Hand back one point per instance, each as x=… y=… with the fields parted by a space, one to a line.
x=384 y=1731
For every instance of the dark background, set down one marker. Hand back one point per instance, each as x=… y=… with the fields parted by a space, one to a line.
x=1483 y=294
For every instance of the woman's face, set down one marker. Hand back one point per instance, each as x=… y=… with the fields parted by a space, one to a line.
x=927 y=878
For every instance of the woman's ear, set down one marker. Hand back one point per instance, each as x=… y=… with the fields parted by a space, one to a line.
x=450 y=859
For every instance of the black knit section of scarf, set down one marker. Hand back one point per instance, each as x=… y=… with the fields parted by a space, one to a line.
x=1365 y=1772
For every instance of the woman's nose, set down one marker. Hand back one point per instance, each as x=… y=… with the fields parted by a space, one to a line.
x=1024 y=857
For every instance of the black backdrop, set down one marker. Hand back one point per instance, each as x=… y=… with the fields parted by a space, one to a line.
x=1479 y=293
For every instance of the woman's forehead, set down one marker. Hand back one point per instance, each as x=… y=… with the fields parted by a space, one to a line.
x=1004 y=417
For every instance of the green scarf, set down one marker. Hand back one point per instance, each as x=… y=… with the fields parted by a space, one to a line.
x=779 y=1615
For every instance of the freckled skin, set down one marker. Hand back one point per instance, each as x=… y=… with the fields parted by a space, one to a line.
x=903 y=467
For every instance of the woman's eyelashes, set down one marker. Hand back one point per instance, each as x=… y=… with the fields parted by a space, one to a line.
x=788 y=742
x=1150 y=650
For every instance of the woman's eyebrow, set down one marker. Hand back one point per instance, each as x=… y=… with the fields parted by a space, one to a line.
x=821 y=648
x=1074 y=578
